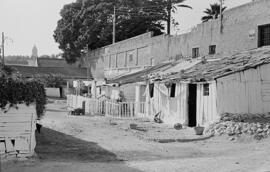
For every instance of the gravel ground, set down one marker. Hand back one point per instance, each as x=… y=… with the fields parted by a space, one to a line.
x=83 y=144
x=151 y=131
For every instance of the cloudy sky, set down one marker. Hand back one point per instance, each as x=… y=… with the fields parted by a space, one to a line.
x=29 y=22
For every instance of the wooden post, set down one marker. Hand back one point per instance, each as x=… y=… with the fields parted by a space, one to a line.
x=137 y=99
x=147 y=101
x=67 y=88
x=94 y=85
x=32 y=135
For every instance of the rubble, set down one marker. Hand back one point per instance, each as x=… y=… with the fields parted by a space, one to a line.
x=255 y=125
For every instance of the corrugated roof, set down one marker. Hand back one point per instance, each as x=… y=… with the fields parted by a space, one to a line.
x=67 y=73
x=214 y=69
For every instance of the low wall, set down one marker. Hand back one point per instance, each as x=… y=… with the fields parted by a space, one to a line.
x=53 y=92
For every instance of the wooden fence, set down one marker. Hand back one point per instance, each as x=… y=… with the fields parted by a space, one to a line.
x=142 y=110
x=17 y=134
x=95 y=106
x=120 y=109
x=108 y=107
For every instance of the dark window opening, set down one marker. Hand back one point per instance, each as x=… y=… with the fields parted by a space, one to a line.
x=172 y=93
x=264 y=35
x=195 y=52
x=205 y=89
x=151 y=89
x=212 y=49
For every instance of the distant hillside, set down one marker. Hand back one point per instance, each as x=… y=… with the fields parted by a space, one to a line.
x=17 y=60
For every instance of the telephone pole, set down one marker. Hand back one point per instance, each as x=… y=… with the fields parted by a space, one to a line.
x=3 y=49
x=169 y=9
x=221 y=16
x=114 y=20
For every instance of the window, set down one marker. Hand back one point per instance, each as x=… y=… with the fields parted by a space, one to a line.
x=265 y=91
x=172 y=93
x=205 y=89
x=212 y=49
x=264 y=35
x=151 y=90
x=130 y=57
x=195 y=52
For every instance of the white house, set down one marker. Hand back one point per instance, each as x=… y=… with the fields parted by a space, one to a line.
x=200 y=94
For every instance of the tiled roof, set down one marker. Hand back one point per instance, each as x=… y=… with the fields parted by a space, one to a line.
x=67 y=73
x=200 y=70
x=213 y=69
x=140 y=75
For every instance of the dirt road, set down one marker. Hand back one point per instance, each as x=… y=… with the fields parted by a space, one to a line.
x=85 y=144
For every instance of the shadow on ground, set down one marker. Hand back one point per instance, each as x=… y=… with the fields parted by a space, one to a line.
x=53 y=145
x=59 y=152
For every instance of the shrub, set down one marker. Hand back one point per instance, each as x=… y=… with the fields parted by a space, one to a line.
x=14 y=90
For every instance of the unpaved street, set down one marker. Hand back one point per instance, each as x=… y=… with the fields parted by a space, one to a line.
x=84 y=144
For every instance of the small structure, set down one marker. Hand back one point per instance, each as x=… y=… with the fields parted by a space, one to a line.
x=17 y=132
x=133 y=85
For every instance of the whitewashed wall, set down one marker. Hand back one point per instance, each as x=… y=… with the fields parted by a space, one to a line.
x=245 y=92
x=17 y=132
x=206 y=105
x=74 y=101
x=173 y=110
x=52 y=92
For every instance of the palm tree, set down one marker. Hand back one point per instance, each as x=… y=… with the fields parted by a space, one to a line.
x=213 y=12
x=172 y=6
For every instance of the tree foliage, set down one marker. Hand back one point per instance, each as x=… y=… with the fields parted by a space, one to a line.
x=15 y=90
x=50 y=80
x=213 y=12
x=88 y=23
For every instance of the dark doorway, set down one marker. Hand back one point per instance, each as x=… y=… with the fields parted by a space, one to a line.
x=61 y=92
x=192 y=105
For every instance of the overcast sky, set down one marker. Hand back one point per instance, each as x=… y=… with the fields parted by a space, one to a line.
x=29 y=22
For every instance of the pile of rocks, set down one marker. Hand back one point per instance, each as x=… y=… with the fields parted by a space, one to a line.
x=257 y=126
x=245 y=117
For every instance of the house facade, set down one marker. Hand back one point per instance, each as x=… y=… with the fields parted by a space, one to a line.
x=238 y=84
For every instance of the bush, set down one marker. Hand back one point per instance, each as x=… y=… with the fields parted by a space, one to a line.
x=17 y=91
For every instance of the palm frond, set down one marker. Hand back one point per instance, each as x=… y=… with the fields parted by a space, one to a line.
x=213 y=12
x=184 y=6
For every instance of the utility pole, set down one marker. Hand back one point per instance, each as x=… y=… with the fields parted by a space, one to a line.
x=3 y=49
x=221 y=16
x=169 y=9
x=114 y=20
